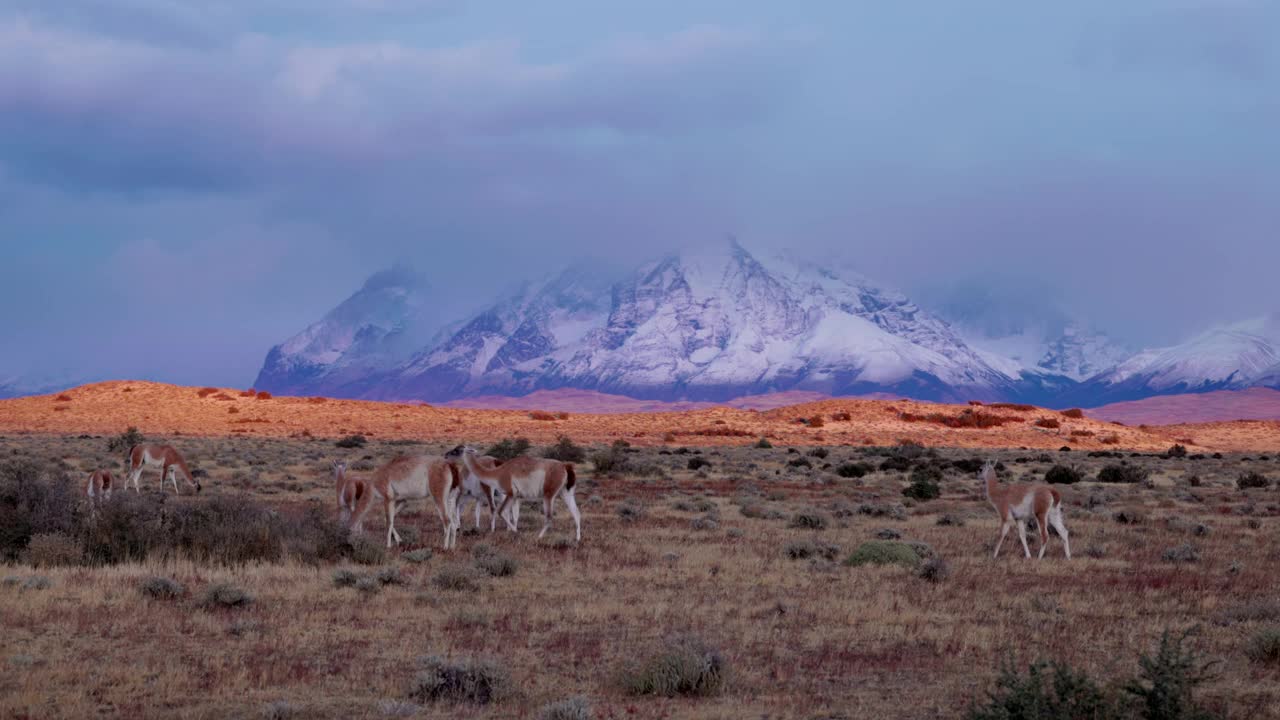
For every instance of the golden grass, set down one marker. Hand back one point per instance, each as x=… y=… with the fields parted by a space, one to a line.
x=803 y=639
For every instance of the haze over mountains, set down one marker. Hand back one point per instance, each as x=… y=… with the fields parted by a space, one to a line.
x=723 y=323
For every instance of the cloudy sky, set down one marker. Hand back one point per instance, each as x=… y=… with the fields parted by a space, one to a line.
x=184 y=184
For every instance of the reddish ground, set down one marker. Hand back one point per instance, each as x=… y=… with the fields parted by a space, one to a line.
x=155 y=408
x=1251 y=404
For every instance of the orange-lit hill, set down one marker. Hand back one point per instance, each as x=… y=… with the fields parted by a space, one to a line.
x=159 y=409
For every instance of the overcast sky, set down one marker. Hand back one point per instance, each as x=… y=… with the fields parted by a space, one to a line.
x=184 y=184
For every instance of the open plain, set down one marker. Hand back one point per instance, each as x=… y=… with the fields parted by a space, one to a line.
x=693 y=528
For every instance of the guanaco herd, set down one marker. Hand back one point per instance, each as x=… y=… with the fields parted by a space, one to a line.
x=463 y=475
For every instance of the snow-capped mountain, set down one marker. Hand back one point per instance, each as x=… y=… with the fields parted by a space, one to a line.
x=704 y=325
x=377 y=328
x=1040 y=338
x=1241 y=355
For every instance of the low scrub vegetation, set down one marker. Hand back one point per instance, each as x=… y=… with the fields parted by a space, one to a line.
x=684 y=665
x=884 y=552
x=1123 y=473
x=474 y=681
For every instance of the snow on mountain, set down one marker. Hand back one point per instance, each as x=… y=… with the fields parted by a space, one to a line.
x=1027 y=336
x=379 y=326
x=710 y=324
x=1240 y=355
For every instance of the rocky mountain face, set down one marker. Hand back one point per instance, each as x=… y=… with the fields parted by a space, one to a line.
x=721 y=323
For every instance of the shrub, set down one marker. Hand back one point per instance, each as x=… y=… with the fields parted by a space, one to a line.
x=821 y=453
x=808 y=519
x=1182 y=554
x=34 y=500
x=697 y=463
x=345 y=577
x=125 y=440
x=53 y=550
x=542 y=415
x=508 y=448
x=763 y=444
x=706 y=522
x=1264 y=647
x=368 y=585
x=455 y=577
x=574 y=708
x=1012 y=406
x=924 y=483
x=474 y=681
x=681 y=666
x=420 y=555
x=1252 y=479
x=1063 y=475
x=935 y=570
x=1074 y=413
x=226 y=530
x=264 y=395
x=853 y=470
x=206 y=392
x=1166 y=682
x=497 y=565
x=949 y=520
x=883 y=552
x=1177 y=451
x=367 y=552
x=630 y=510
x=389 y=576
x=157 y=587
x=799 y=463
x=1048 y=691
x=36 y=582
x=896 y=463
x=565 y=450
x=226 y=595
x=1109 y=439
x=352 y=441
x=1046 y=422
x=816 y=421
x=841 y=417
x=805 y=549
x=1123 y=473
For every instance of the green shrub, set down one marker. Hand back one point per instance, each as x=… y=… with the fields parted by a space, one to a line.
x=896 y=463
x=125 y=441
x=420 y=555
x=479 y=682
x=1252 y=479
x=508 y=448
x=497 y=565
x=1264 y=647
x=805 y=549
x=352 y=441
x=680 y=666
x=345 y=577
x=924 y=483
x=697 y=463
x=821 y=453
x=1166 y=682
x=630 y=510
x=883 y=552
x=455 y=577
x=157 y=587
x=565 y=450
x=1048 y=691
x=853 y=469
x=367 y=552
x=808 y=519
x=763 y=444
x=935 y=570
x=389 y=575
x=1177 y=451
x=226 y=595
x=1123 y=473
x=1063 y=475
x=574 y=708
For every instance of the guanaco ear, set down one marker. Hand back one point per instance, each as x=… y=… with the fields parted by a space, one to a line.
x=359 y=491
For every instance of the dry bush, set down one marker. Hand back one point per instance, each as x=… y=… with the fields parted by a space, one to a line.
x=1082 y=433
x=542 y=415
x=473 y=681
x=263 y=395
x=1109 y=439
x=684 y=665
x=1264 y=647
x=1049 y=423
x=1019 y=407
x=565 y=450
x=816 y=421
x=206 y=392
x=53 y=550
x=157 y=587
x=222 y=397
x=225 y=595
x=1074 y=413
x=841 y=417
x=966 y=419
x=1123 y=473
x=35 y=499
x=1252 y=479
x=884 y=552
x=574 y=708
x=458 y=578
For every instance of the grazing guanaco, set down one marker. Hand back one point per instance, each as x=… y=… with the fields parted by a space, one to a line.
x=529 y=478
x=408 y=477
x=1016 y=502
x=169 y=460
x=350 y=490
x=473 y=491
x=101 y=482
